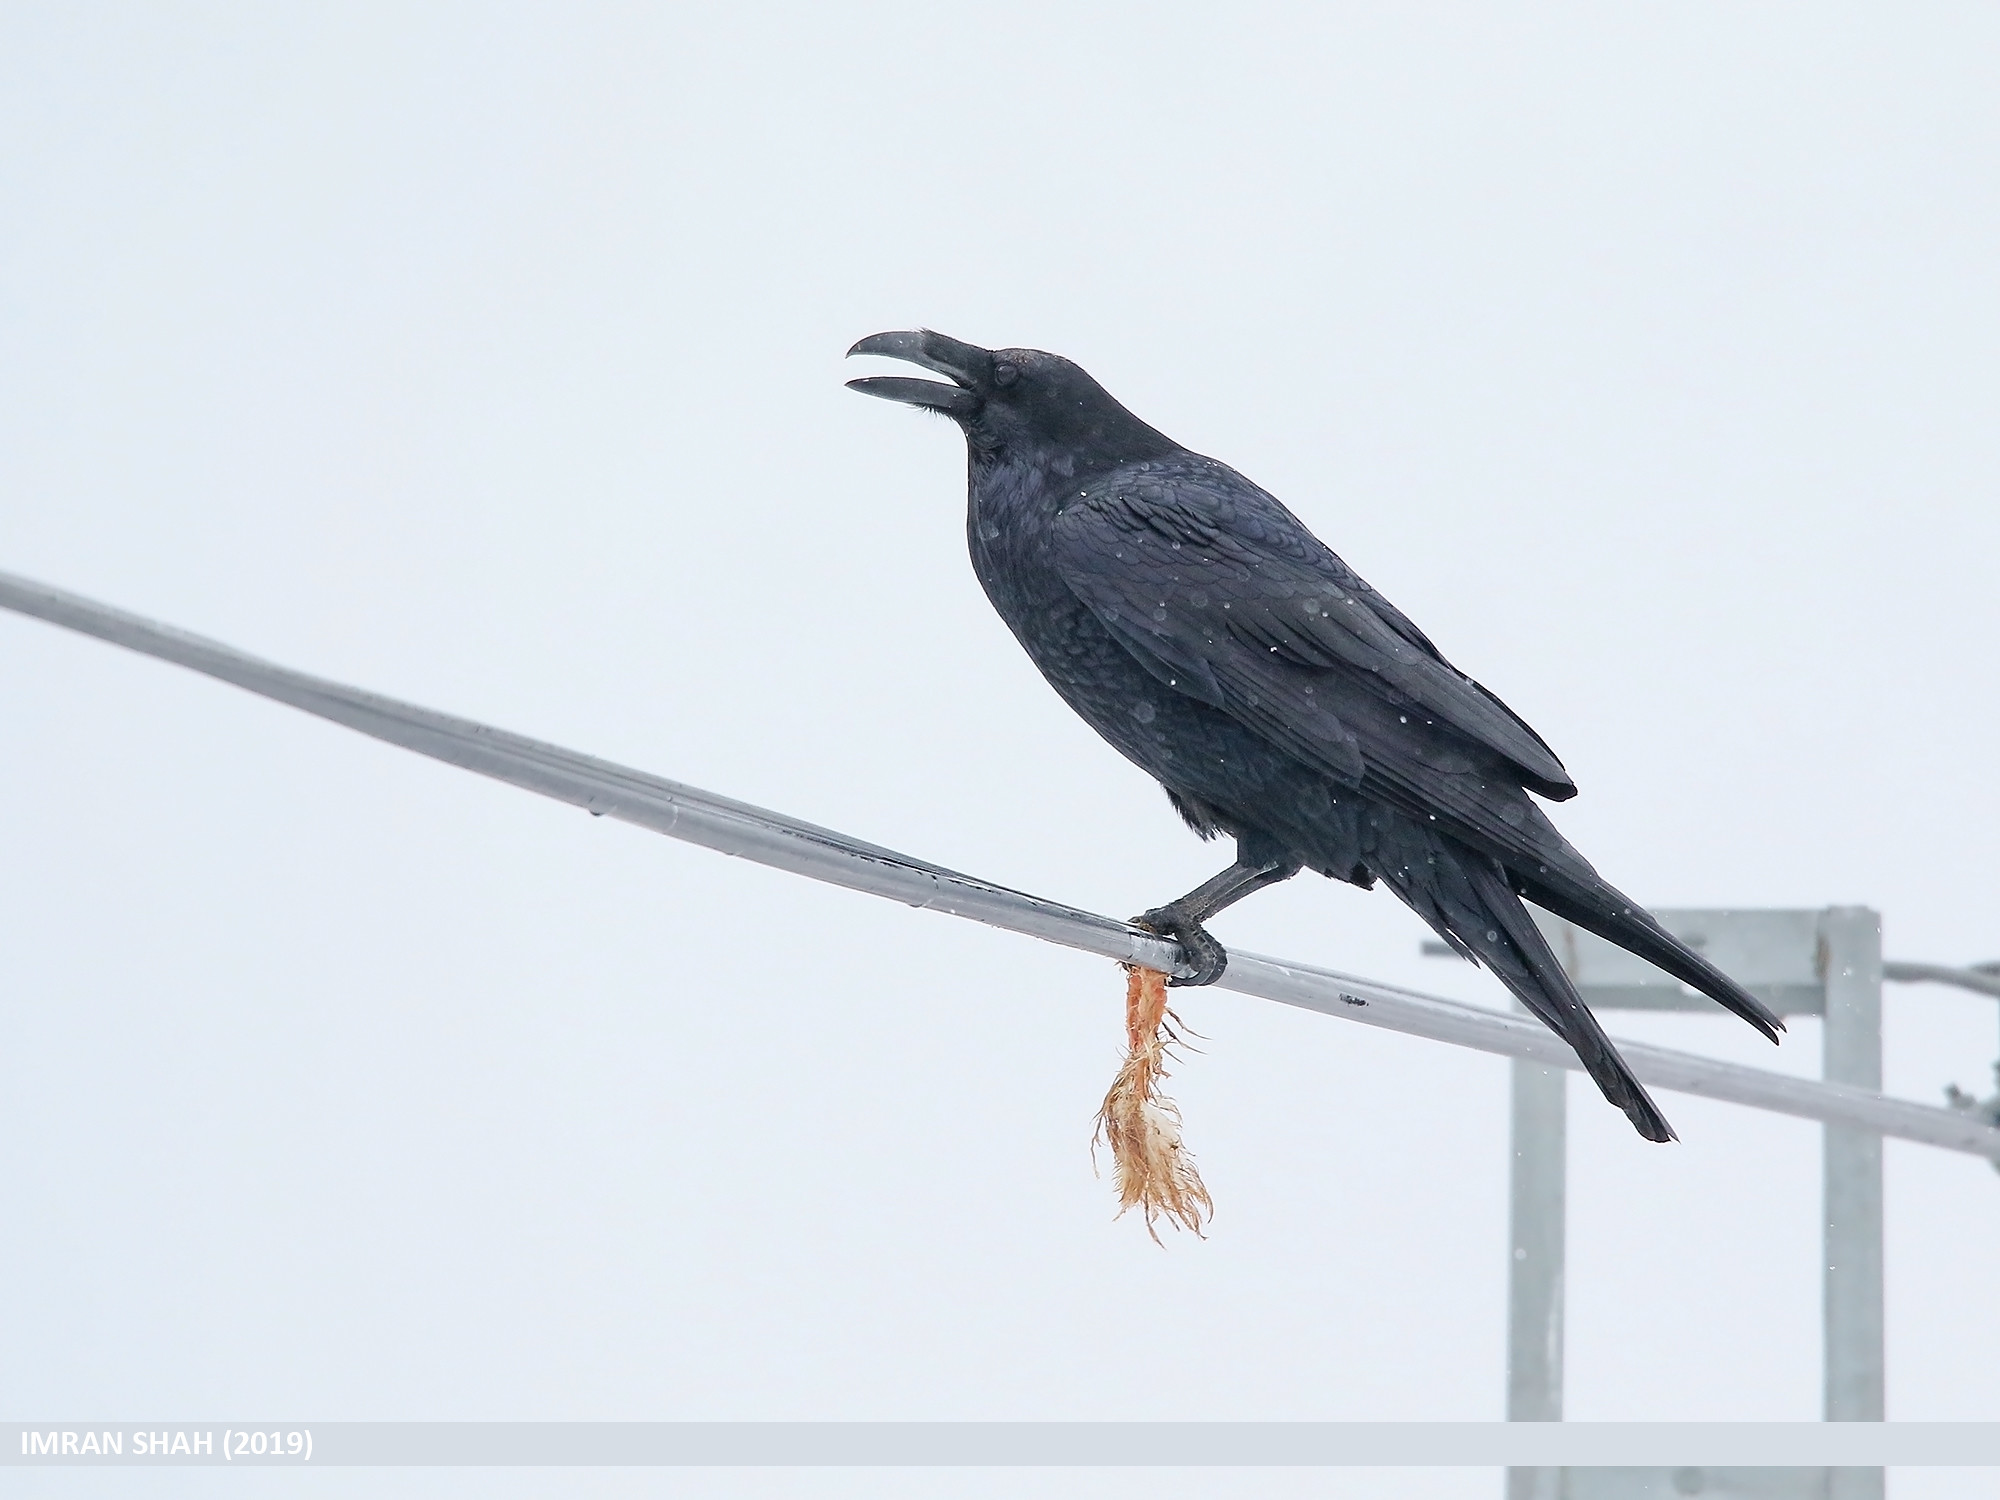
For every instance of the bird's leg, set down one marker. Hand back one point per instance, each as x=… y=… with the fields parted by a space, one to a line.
x=1182 y=919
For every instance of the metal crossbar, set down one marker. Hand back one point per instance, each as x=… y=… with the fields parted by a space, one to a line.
x=1980 y=979
x=769 y=838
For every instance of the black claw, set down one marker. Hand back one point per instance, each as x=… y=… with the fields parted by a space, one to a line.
x=1204 y=954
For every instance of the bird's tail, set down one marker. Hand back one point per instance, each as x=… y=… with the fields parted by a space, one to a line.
x=1597 y=907
x=1468 y=900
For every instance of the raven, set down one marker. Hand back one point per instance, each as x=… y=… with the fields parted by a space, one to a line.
x=1198 y=626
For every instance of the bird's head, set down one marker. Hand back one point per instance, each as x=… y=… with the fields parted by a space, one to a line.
x=1012 y=402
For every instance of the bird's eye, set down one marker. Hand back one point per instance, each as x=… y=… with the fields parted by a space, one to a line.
x=1006 y=374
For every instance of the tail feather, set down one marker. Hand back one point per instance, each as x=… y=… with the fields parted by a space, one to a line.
x=1617 y=919
x=1469 y=901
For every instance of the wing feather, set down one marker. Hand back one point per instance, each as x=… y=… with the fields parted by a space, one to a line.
x=1221 y=594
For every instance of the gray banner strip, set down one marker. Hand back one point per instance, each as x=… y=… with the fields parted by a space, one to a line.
x=984 y=1444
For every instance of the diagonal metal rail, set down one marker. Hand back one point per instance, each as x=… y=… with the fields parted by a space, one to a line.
x=769 y=838
x=1981 y=979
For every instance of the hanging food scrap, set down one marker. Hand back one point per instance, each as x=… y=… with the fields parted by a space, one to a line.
x=1152 y=1169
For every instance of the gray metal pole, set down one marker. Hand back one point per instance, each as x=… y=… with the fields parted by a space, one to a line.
x=1536 y=1232
x=731 y=827
x=1851 y=948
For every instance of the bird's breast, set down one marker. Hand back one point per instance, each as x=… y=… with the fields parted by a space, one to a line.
x=1009 y=532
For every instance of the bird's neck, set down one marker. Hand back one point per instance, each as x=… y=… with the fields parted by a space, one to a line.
x=1011 y=505
x=1010 y=498
x=1022 y=481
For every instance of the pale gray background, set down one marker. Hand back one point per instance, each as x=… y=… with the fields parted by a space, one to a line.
x=491 y=357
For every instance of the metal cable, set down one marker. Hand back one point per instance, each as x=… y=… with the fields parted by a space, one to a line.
x=1979 y=977
x=737 y=828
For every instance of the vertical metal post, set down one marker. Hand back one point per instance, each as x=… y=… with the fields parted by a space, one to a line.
x=1826 y=962
x=1851 y=954
x=1535 y=1265
x=1535 y=1235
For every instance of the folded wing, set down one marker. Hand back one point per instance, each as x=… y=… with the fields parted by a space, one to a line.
x=1222 y=594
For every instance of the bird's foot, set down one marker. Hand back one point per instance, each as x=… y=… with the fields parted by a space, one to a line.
x=1204 y=954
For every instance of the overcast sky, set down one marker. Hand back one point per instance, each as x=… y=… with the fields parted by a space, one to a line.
x=491 y=357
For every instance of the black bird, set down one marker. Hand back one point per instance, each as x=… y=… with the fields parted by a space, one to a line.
x=1199 y=627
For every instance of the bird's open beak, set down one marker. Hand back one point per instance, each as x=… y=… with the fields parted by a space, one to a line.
x=968 y=364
